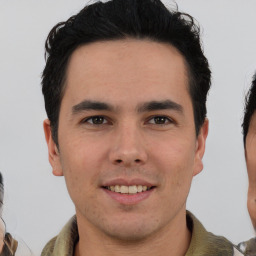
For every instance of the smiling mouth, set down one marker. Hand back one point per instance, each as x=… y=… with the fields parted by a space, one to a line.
x=134 y=189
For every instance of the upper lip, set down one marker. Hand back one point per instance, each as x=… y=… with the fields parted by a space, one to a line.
x=127 y=182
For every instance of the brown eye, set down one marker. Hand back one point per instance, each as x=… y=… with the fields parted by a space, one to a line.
x=160 y=120
x=97 y=120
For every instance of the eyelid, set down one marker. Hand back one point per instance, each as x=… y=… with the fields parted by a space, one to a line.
x=170 y=120
x=107 y=120
x=86 y=119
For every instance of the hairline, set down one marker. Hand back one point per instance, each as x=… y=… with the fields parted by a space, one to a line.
x=188 y=72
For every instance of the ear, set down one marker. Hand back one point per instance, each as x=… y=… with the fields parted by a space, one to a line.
x=53 y=152
x=200 y=147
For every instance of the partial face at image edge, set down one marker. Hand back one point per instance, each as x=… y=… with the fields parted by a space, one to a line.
x=250 y=153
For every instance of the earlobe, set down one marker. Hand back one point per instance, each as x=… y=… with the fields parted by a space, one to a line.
x=53 y=152
x=200 y=147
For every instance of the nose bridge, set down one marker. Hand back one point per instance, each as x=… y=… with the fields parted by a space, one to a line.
x=128 y=147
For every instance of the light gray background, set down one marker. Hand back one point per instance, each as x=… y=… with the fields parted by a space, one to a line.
x=37 y=204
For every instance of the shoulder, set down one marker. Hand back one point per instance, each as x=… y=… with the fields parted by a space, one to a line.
x=65 y=242
x=49 y=247
x=206 y=243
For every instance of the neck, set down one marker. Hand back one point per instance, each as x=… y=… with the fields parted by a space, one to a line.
x=172 y=240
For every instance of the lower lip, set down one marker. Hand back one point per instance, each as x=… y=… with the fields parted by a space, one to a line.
x=129 y=199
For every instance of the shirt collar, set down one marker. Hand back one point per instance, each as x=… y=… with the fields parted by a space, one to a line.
x=67 y=239
x=203 y=242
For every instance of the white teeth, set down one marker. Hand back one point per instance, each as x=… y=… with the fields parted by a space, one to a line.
x=117 y=188
x=124 y=190
x=139 y=188
x=128 y=189
x=133 y=189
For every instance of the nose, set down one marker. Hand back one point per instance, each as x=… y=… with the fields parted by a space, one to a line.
x=128 y=147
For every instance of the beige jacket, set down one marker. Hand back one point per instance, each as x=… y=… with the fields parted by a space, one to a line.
x=202 y=242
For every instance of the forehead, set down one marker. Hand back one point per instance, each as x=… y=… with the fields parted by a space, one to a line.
x=120 y=66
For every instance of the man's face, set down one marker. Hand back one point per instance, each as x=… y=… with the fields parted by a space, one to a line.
x=250 y=155
x=126 y=123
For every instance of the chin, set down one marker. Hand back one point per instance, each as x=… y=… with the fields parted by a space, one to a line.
x=128 y=235
x=131 y=231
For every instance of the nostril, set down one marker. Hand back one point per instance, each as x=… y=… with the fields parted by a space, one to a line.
x=127 y=161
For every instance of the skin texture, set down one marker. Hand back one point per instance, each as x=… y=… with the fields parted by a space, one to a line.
x=250 y=152
x=129 y=144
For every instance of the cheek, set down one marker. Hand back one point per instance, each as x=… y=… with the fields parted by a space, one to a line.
x=251 y=160
x=81 y=163
x=82 y=153
x=176 y=163
x=173 y=152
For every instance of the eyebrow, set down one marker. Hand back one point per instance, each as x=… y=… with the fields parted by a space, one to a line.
x=160 y=105
x=144 y=107
x=91 y=105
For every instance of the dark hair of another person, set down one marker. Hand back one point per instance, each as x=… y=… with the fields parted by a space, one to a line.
x=122 y=19
x=250 y=107
x=1 y=191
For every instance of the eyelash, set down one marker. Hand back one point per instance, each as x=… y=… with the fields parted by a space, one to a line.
x=86 y=120
x=166 y=118
x=105 y=120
